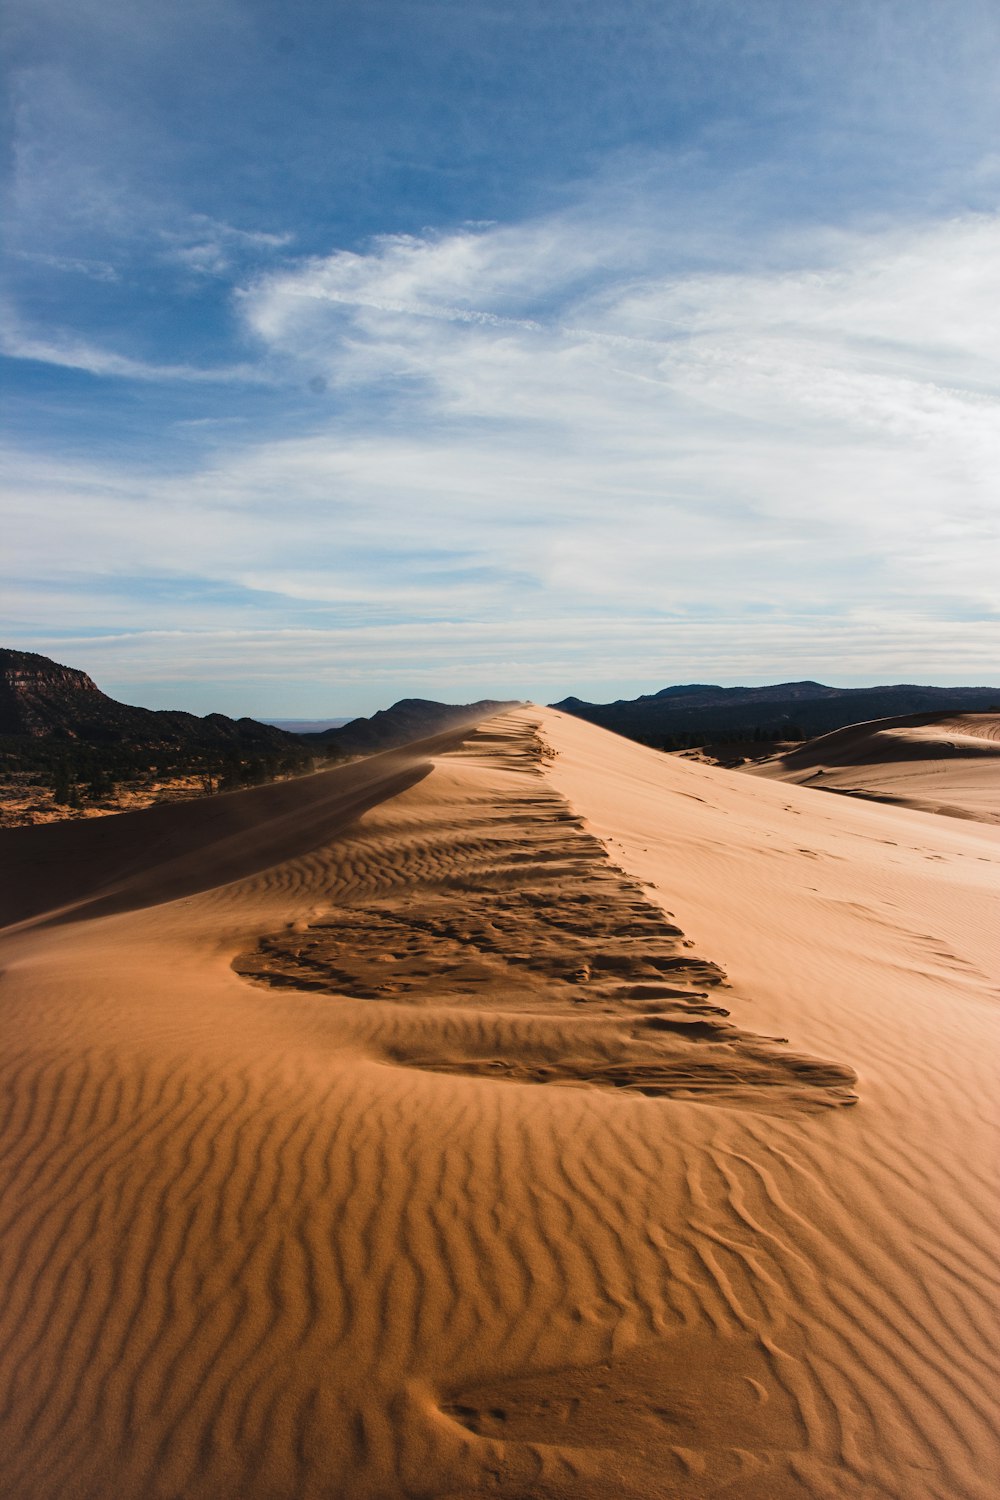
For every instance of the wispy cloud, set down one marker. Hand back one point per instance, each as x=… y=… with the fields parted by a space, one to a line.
x=849 y=402
x=67 y=351
x=209 y=247
x=97 y=270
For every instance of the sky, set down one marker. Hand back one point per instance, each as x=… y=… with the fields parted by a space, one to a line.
x=360 y=349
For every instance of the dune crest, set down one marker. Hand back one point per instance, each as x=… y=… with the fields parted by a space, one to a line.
x=533 y=958
x=290 y=1231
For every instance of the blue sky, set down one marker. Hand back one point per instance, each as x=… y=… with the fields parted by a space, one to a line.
x=459 y=349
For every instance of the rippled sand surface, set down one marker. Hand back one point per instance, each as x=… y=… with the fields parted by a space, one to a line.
x=479 y=1119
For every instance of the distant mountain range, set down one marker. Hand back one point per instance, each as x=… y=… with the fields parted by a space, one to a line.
x=308 y=726
x=46 y=704
x=703 y=712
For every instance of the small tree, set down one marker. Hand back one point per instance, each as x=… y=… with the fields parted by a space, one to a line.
x=64 y=787
x=100 y=785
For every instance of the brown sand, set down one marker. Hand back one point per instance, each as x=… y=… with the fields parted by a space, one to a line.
x=942 y=763
x=378 y=1135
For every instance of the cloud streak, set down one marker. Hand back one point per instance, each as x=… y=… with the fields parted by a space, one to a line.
x=67 y=351
x=740 y=474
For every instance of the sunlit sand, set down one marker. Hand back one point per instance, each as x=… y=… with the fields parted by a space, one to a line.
x=530 y=1115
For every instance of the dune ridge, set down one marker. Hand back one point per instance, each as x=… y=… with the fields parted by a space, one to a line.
x=525 y=949
x=259 y=1244
x=941 y=763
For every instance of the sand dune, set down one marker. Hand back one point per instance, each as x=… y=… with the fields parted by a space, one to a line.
x=943 y=763
x=422 y=1129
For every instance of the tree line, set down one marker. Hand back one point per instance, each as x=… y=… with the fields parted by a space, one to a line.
x=696 y=739
x=80 y=774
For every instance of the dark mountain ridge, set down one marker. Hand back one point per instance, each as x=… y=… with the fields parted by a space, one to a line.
x=409 y=719
x=39 y=698
x=702 y=712
x=59 y=732
x=43 y=700
x=64 y=744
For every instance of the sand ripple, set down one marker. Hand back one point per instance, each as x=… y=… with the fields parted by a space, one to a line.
x=292 y=1238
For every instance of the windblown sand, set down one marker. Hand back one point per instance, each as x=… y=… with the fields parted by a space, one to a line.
x=424 y=1128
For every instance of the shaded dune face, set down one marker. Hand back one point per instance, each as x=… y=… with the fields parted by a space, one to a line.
x=73 y=871
x=533 y=958
x=912 y=737
x=320 y=1228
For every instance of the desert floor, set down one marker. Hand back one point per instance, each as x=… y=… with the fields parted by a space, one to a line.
x=424 y=1128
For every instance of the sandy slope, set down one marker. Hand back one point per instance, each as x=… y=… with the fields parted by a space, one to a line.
x=944 y=763
x=466 y=1183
